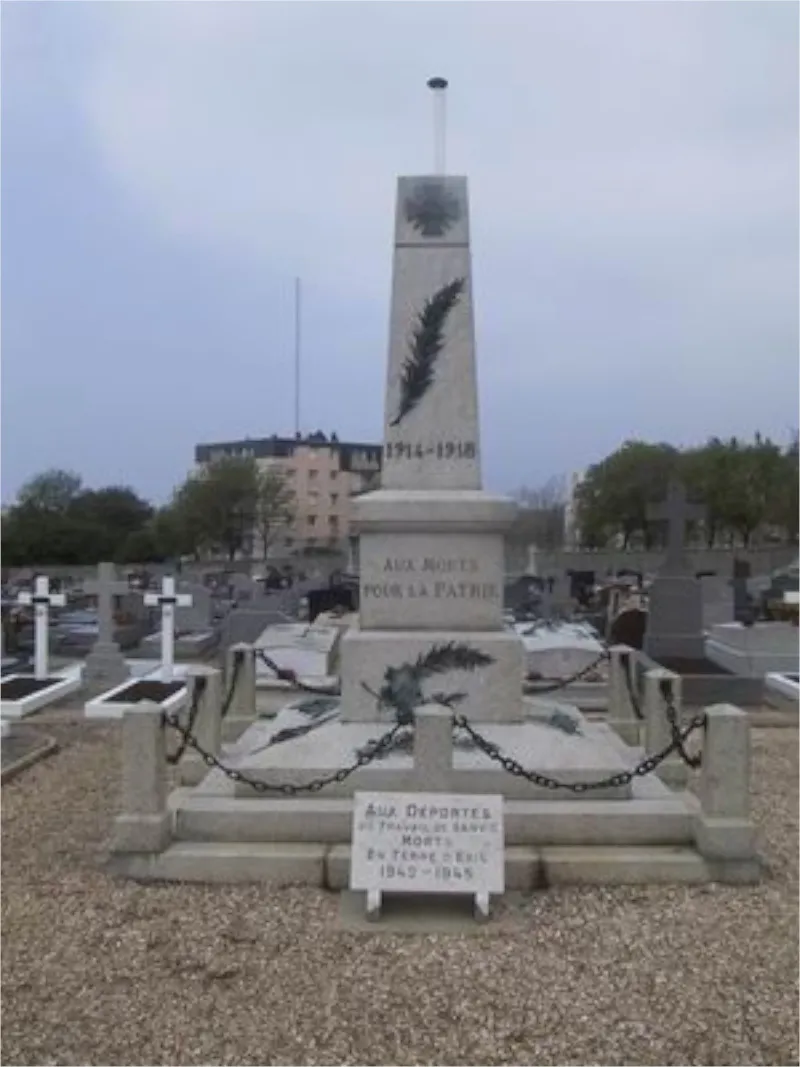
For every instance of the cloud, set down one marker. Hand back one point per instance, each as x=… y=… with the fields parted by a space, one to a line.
x=633 y=173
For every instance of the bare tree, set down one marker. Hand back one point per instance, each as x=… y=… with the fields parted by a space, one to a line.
x=274 y=506
x=540 y=520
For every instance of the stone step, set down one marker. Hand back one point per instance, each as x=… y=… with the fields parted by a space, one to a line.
x=316 y=864
x=663 y=820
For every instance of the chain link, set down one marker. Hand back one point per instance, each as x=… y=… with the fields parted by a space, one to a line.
x=364 y=757
x=564 y=682
x=238 y=663
x=285 y=674
x=544 y=781
x=199 y=687
x=677 y=736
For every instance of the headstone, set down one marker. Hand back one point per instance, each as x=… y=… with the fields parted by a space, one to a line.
x=628 y=628
x=675 y=616
x=742 y=603
x=199 y=613
x=431 y=544
x=105 y=665
x=167 y=600
x=42 y=600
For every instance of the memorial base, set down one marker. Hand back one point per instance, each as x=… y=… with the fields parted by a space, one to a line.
x=493 y=692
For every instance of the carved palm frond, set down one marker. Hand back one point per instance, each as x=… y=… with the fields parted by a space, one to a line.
x=425 y=345
x=452 y=656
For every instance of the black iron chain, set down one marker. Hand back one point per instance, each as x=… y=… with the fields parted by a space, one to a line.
x=284 y=674
x=364 y=757
x=675 y=731
x=238 y=662
x=535 y=690
x=199 y=687
x=646 y=766
x=625 y=664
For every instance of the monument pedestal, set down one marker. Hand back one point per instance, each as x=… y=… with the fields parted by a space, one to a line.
x=432 y=566
x=493 y=692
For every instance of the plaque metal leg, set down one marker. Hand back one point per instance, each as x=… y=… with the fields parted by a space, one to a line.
x=374 y=902
x=481 y=907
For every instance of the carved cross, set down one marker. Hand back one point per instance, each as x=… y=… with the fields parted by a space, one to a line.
x=677 y=511
x=105 y=587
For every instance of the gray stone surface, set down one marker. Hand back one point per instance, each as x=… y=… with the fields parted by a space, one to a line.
x=434 y=445
x=675 y=616
x=198 y=615
x=105 y=666
x=493 y=693
x=144 y=823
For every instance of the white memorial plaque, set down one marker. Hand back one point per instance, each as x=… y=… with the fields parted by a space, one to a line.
x=427 y=843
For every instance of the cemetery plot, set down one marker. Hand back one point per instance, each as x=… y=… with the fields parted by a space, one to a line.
x=171 y=696
x=149 y=689
x=22 y=694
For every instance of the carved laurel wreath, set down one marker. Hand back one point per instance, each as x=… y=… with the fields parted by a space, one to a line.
x=425 y=345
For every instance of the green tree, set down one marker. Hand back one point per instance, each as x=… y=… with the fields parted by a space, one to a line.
x=614 y=496
x=217 y=507
x=52 y=490
x=274 y=506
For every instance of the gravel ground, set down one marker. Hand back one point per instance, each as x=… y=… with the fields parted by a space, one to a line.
x=102 y=972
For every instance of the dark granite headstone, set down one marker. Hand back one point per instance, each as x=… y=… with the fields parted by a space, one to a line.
x=628 y=628
x=742 y=603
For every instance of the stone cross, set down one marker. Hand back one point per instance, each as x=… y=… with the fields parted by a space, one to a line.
x=42 y=600
x=677 y=512
x=105 y=588
x=167 y=600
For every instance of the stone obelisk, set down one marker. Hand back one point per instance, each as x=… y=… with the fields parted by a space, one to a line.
x=431 y=541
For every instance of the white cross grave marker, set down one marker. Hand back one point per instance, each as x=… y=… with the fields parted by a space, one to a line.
x=42 y=599
x=167 y=599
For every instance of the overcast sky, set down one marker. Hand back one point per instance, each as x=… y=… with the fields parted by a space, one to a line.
x=168 y=168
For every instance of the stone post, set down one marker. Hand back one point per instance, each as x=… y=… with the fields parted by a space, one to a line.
x=657 y=734
x=207 y=726
x=723 y=829
x=243 y=702
x=433 y=748
x=144 y=824
x=621 y=716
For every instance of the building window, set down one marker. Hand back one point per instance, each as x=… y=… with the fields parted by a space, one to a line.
x=312 y=474
x=312 y=520
x=334 y=498
x=333 y=520
x=334 y=474
x=313 y=496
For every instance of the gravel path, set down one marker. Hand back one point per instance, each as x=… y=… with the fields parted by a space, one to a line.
x=102 y=972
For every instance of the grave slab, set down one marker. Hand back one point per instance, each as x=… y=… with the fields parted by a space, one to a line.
x=59 y=684
x=593 y=754
x=108 y=705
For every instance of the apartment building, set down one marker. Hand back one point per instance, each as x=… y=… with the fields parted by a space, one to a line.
x=324 y=473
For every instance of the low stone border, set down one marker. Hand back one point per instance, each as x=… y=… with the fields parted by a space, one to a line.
x=46 y=748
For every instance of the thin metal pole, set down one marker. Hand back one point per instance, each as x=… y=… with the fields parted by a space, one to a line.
x=440 y=121
x=439 y=86
x=297 y=343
